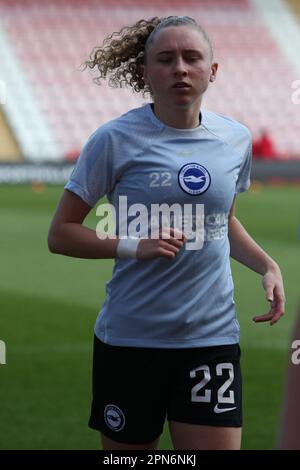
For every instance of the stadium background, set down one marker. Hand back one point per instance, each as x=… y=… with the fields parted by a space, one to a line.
x=48 y=108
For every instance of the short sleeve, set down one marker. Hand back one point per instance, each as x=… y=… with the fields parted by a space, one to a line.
x=92 y=176
x=243 y=181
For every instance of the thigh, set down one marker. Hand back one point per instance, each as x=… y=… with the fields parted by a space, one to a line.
x=109 y=444
x=196 y=437
x=129 y=403
x=206 y=398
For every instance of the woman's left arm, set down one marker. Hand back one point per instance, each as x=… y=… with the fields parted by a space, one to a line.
x=245 y=250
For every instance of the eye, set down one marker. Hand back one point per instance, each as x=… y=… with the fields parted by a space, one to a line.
x=192 y=59
x=164 y=60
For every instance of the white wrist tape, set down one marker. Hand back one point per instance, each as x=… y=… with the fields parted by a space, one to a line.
x=127 y=247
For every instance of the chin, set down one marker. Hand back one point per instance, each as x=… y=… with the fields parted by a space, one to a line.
x=182 y=104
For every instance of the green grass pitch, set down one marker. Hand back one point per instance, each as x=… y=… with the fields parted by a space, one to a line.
x=49 y=304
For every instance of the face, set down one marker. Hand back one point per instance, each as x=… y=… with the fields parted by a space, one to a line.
x=179 y=67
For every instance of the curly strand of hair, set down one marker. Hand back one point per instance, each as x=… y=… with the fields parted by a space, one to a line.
x=122 y=54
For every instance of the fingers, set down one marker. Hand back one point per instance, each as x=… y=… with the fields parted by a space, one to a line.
x=172 y=240
x=169 y=233
x=166 y=253
x=271 y=317
x=278 y=309
x=262 y=318
x=276 y=317
x=166 y=243
x=276 y=312
x=269 y=293
x=169 y=248
x=273 y=285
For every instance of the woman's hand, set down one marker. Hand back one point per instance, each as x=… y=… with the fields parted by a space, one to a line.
x=273 y=285
x=166 y=243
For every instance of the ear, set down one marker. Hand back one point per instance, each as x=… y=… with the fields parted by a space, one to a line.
x=213 y=72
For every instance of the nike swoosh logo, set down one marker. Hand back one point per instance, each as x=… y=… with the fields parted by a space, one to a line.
x=222 y=410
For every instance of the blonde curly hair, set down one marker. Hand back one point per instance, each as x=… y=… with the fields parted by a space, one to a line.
x=124 y=52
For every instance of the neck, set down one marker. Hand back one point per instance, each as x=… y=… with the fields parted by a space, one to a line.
x=180 y=118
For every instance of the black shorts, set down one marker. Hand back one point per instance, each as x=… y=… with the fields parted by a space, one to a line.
x=135 y=389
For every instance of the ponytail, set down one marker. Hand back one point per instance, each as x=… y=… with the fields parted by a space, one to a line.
x=122 y=54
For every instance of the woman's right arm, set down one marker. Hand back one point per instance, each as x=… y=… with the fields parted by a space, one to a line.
x=67 y=236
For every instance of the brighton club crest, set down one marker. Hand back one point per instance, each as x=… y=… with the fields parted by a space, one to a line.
x=194 y=179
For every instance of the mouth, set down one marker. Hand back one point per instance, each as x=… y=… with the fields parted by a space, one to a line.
x=179 y=85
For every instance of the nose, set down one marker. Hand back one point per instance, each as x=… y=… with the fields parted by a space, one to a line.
x=180 y=67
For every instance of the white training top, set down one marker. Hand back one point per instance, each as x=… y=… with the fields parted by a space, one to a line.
x=186 y=302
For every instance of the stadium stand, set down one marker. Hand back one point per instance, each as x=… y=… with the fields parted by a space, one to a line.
x=9 y=150
x=55 y=106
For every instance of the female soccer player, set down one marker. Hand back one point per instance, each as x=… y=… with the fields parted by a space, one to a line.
x=167 y=338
